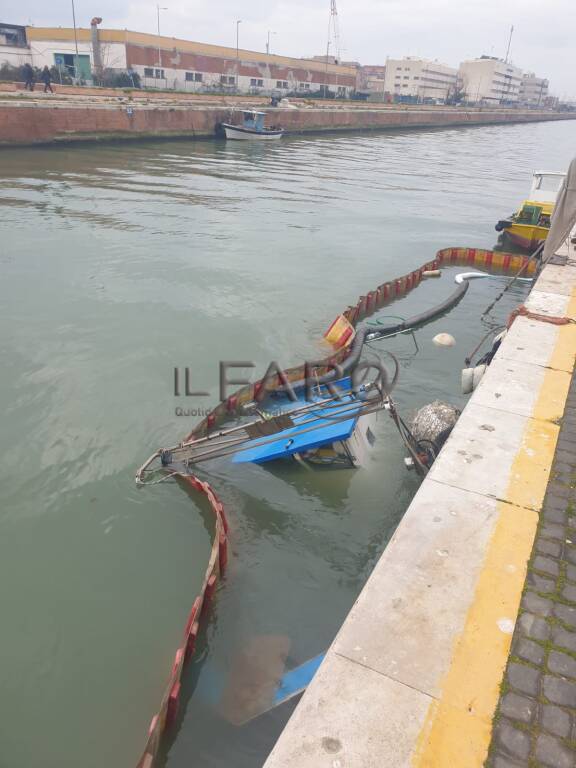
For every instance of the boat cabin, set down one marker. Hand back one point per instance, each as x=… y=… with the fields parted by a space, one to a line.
x=253 y=120
x=546 y=186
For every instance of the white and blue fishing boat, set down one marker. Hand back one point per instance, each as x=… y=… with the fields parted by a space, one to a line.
x=331 y=426
x=252 y=128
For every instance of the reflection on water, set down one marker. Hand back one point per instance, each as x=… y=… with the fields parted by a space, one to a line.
x=119 y=263
x=503 y=243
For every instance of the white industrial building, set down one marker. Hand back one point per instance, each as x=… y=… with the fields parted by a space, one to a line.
x=169 y=63
x=87 y=50
x=490 y=80
x=420 y=79
x=533 y=90
x=163 y=62
x=13 y=45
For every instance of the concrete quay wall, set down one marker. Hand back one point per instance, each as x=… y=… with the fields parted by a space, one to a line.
x=25 y=121
x=413 y=676
x=303 y=121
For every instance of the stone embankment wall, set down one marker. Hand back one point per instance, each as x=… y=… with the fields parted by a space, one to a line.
x=44 y=123
x=62 y=118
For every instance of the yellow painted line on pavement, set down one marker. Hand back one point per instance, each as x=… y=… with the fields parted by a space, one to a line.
x=571 y=308
x=564 y=354
x=458 y=726
x=556 y=384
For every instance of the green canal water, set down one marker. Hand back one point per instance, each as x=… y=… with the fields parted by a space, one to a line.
x=120 y=262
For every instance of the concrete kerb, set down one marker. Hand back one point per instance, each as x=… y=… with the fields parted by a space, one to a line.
x=424 y=648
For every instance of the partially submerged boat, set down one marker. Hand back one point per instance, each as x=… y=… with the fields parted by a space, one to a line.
x=332 y=425
x=529 y=226
x=333 y=430
x=252 y=128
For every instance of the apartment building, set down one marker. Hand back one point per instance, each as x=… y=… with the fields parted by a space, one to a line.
x=167 y=62
x=490 y=80
x=420 y=79
x=533 y=90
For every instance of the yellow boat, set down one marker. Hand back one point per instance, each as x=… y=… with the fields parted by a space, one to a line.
x=529 y=226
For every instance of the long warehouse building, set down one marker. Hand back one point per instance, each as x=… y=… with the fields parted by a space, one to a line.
x=166 y=62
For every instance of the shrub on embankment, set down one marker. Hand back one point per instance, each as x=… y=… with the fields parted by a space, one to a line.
x=11 y=74
x=110 y=78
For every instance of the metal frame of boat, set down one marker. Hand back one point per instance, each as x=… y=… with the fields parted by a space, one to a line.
x=334 y=428
x=252 y=128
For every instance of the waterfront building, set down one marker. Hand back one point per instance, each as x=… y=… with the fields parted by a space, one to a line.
x=13 y=45
x=490 y=80
x=533 y=90
x=372 y=81
x=167 y=62
x=414 y=79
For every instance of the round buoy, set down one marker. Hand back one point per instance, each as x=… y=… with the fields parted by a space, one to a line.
x=444 y=340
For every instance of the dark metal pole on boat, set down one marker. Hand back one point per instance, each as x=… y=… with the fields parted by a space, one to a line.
x=238 y=22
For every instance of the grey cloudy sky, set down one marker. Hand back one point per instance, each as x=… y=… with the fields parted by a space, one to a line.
x=448 y=30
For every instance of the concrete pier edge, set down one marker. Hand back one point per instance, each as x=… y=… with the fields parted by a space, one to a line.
x=413 y=676
x=64 y=119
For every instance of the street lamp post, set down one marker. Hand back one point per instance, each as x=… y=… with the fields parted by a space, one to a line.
x=158 y=9
x=541 y=92
x=75 y=43
x=238 y=22
x=480 y=81
x=326 y=71
x=268 y=41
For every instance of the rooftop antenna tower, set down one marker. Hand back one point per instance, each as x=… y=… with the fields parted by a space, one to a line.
x=509 y=43
x=335 y=29
x=333 y=37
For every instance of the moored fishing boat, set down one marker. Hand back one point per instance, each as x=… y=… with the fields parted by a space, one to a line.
x=252 y=128
x=529 y=226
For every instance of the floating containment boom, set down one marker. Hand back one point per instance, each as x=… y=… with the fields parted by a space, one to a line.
x=207 y=439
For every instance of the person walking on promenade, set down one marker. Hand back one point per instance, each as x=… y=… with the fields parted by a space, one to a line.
x=28 y=77
x=47 y=80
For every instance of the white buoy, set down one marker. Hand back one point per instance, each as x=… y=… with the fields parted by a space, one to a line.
x=444 y=340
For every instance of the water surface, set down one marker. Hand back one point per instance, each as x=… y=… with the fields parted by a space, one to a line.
x=118 y=263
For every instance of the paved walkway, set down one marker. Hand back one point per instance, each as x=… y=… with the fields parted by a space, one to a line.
x=535 y=723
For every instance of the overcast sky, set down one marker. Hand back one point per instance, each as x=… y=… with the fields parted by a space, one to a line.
x=544 y=38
